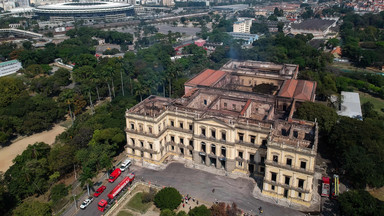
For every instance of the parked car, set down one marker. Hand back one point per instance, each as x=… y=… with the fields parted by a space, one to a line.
x=86 y=203
x=125 y=165
x=99 y=191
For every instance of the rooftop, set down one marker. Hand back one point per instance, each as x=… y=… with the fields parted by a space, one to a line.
x=206 y=78
x=298 y=89
x=350 y=105
x=313 y=24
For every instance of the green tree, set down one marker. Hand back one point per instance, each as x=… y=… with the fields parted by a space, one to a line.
x=181 y=213
x=325 y=116
x=168 y=198
x=10 y=90
x=201 y=210
x=360 y=202
x=31 y=207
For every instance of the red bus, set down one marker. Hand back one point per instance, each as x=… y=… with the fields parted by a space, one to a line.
x=114 y=175
x=127 y=180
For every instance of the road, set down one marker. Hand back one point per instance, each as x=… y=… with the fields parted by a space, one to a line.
x=92 y=210
x=199 y=184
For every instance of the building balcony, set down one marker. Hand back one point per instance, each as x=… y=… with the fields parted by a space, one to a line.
x=139 y=132
x=293 y=168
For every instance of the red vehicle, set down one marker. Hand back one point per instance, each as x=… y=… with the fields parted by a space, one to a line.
x=99 y=191
x=127 y=180
x=102 y=205
x=114 y=175
x=325 y=187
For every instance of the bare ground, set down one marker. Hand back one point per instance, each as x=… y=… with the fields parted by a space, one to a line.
x=7 y=154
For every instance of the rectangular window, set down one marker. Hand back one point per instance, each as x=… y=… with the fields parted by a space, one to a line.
x=205 y=102
x=287 y=179
x=299 y=195
x=133 y=142
x=240 y=154
x=181 y=125
x=213 y=133
x=240 y=164
x=262 y=159
x=150 y=155
x=191 y=143
x=301 y=183
x=172 y=138
x=275 y=158
x=213 y=149
x=203 y=131
x=203 y=147
x=253 y=139
x=273 y=187
x=273 y=176
x=190 y=127
x=251 y=157
x=173 y=148
x=182 y=141
x=262 y=169
x=295 y=134
x=190 y=152
x=234 y=106
x=223 y=136
x=150 y=130
x=285 y=193
x=225 y=105
x=132 y=126
x=264 y=142
x=303 y=164
x=223 y=151
x=150 y=146
x=241 y=137
x=289 y=161
x=142 y=143
x=182 y=151
x=172 y=123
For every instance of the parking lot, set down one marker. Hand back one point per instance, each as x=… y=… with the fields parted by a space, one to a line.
x=197 y=184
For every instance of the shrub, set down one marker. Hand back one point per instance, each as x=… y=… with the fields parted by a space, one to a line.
x=182 y=213
x=167 y=212
x=199 y=211
x=168 y=198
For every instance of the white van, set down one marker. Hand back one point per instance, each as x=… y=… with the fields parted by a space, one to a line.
x=125 y=165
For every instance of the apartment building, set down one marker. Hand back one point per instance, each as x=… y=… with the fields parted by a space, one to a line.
x=238 y=119
x=242 y=25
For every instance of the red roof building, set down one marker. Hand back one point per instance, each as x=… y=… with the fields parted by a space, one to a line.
x=301 y=90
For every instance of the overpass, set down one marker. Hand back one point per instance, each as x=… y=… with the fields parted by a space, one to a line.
x=21 y=32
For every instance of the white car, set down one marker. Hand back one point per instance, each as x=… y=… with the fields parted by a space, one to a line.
x=125 y=165
x=86 y=203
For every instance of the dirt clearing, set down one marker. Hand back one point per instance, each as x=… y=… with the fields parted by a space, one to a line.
x=7 y=154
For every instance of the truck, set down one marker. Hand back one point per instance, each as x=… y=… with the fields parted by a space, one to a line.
x=325 y=187
x=126 y=181
x=335 y=186
x=114 y=175
x=102 y=205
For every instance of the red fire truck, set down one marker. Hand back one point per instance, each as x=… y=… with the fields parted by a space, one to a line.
x=114 y=175
x=325 y=187
x=127 y=180
x=335 y=186
x=101 y=205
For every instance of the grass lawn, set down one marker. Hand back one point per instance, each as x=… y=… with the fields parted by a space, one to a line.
x=124 y=213
x=136 y=203
x=377 y=102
